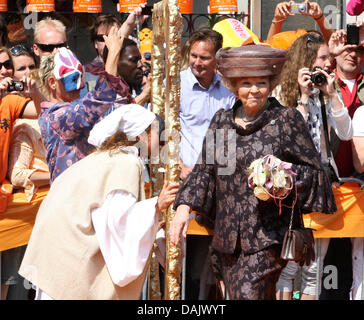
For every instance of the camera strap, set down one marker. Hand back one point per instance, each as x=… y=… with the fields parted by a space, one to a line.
x=327 y=140
x=324 y=122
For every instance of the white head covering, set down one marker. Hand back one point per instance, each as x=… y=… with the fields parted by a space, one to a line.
x=132 y=119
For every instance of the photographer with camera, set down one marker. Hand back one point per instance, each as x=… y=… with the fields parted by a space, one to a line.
x=307 y=83
x=13 y=106
x=290 y=8
x=27 y=164
x=28 y=167
x=347 y=48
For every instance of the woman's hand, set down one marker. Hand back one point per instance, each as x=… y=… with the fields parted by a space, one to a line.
x=282 y=11
x=167 y=195
x=145 y=95
x=130 y=22
x=313 y=10
x=329 y=86
x=113 y=40
x=305 y=83
x=30 y=87
x=179 y=224
x=4 y=83
x=114 y=43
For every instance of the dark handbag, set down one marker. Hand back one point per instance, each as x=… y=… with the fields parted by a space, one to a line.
x=298 y=244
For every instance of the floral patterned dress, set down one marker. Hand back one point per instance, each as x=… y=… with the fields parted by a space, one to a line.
x=248 y=232
x=65 y=126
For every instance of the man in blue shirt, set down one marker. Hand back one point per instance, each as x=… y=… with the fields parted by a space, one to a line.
x=202 y=94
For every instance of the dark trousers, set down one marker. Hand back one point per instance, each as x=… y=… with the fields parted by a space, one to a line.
x=338 y=255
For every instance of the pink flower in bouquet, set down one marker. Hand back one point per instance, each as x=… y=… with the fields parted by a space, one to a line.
x=270 y=177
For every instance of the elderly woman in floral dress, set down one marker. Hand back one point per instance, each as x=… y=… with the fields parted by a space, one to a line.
x=248 y=232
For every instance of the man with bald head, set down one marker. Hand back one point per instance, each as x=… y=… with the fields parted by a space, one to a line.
x=49 y=35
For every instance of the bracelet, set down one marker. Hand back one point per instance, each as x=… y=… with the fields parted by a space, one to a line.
x=276 y=21
x=305 y=104
x=319 y=17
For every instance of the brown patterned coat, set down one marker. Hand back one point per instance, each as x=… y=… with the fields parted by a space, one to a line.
x=227 y=198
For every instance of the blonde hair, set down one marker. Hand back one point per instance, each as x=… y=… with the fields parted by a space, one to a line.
x=45 y=70
x=46 y=22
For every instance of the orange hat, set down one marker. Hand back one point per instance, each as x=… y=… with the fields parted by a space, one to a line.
x=284 y=40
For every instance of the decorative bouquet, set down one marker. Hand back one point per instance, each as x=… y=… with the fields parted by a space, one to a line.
x=270 y=177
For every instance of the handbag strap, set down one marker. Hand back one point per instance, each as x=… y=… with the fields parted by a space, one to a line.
x=291 y=220
x=324 y=122
x=292 y=209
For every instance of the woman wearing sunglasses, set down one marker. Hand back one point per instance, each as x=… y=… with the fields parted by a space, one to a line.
x=12 y=107
x=307 y=83
x=28 y=167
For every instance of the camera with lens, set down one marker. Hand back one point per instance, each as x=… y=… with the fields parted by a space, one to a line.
x=16 y=86
x=318 y=78
x=298 y=8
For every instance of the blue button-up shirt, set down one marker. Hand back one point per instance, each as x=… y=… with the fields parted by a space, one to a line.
x=198 y=106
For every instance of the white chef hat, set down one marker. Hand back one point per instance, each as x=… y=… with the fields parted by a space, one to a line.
x=132 y=119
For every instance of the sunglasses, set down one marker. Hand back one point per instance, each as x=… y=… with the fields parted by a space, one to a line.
x=19 y=49
x=147 y=56
x=312 y=38
x=50 y=47
x=7 y=64
x=100 y=37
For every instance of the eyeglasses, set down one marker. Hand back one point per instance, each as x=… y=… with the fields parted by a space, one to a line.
x=7 y=64
x=19 y=49
x=100 y=37
x=50 y=47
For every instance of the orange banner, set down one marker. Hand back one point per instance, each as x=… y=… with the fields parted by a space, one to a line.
x=90 y=6
x=40 y=5
x=346 y=222
x=16 y=224
x=129 y=5
x=198 y=229
x=185 y=6
x=3 y=5
x=223 y=6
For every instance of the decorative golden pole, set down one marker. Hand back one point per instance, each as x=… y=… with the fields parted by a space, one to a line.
x=173 y=33
x=157 y=101
x=166 y=61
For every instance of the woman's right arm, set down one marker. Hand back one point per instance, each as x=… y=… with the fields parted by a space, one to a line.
x=358 y=140
x=197 y=191
x=114 y=43
x=179 y=224
x=81 y=115
x=280 y=14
